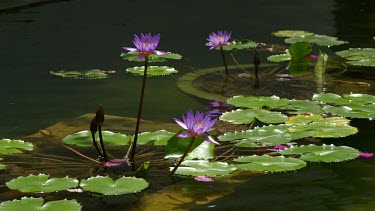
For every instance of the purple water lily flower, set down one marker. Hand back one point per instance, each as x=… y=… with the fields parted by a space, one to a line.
x=366 y=155
x=146 y=44
x=219 y=39
x=204 y=179
x=196 y=126
x=281 y=147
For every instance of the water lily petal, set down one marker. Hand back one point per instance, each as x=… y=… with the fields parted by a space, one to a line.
x=204 y=179
x=209 y=139
x=141 y=56
x=366 y=155
x=184 y=134
x=130 y=49
x=183 y=125
x=281 y=147
x=159 y=53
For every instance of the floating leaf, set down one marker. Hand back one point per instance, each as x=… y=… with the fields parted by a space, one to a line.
x=160 y=137
x=37 y=204
x=299 y=50
x=152 y=70
x=321 y=40
x=83 y=138
x=8 y=146
x=354 y=111
x=269 y=163
x=80 y=74
x=325 y=153
x=204 y=168
x=303 y=106
x=257 y=102
x=279 y=58
x=41 y=183
x=359 y=56
x=133 y=56
x=303 y=119
x=199 y=150
x=107 y=186
x=247 y=116
x=239 y=45
x=1 y=165
x=292 y=33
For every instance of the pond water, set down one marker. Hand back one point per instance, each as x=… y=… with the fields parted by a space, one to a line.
x=84 y=34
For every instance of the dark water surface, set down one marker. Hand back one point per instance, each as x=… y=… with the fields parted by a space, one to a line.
x=83 y=34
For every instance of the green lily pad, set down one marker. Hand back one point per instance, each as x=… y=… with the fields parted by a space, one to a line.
x=160 y=137
x=257 y=102
x=324 y=153
x=247 y=116
x=41 y=183
x=303 y=119
x=269 y=163
x=107 y=186
x=83 y=138
x=303 y=106
x=133 y=56
x=200 y=149
x=279 y=58
x=321 y=40
x=2 y=167
x=8 y=146
x=204 y=168
x=152 y=70
x=37 y=204
x=239 y=45
x=359 y=56
x=354 y=111
x=299 y=50
x=292 y=33
x=80 y=74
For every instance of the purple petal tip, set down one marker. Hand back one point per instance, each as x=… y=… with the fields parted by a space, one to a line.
x=204 y=179
x=366 y=155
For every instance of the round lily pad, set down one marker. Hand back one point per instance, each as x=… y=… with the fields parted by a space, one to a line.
x=37 y=204
x=41 y=183
x=152 y=70
x=292 y=33
x=84 y=139
x=353 y=111
x=204 y=168
x=279 y=58
x=1 y=165
x=133 y=56
x=269 y=163
x=8 y=146
x=247 y=116
x=239 y=45
x=359 y=56
x=321 y=40
x=107 y=186
x=160 y=137
x=80 y=74
x=324 y=153
x=257 y=102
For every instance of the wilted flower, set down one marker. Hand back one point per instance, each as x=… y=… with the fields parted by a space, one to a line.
x=220 y=39
x=196 y=125
x=366 y=155
x=146 y=44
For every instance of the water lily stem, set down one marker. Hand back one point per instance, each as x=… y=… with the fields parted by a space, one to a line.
x=102 y=143
x=96 y=146
x=139 y=111
x=183 y=156
x=224 y=60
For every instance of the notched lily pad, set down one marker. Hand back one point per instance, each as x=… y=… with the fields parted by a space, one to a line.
x=359 y=56
x=324 y=153
x=321 y=40
x=269 y=163
x=38 y=204
x=41 y=183
x=257 y=102
x=239 y=45
x=83 y=138
x=160 y=137
x=133 y=56
x=81 y=74
x=107 y=186
x=152 y=70
x=292 y=33
x=204 y=168
x=8 y=146
x=247 y=116
x=279 y=58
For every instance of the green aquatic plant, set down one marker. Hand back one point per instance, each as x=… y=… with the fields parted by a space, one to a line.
x=205 y=168
x=83 y=138
x=2 y=167
x=81 y=74
x=152 y=70
x=359 y=56
x=38 y=204
x=8 y=146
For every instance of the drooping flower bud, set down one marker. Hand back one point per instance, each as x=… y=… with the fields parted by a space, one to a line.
x=93 y=126
x=100 y=115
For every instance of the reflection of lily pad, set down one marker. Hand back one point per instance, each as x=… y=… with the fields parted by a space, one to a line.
x=8 y=146
x=160 y=137
x=204 y=168
x=80 y=74
x=41 y=183
x=83 y=138
x=107 y=186
x=324 y=153
x=152 y=70
x=321 y=40
x=257 y=102
x=269 y=163
x=239 y=45
x=292 y=33
x=37 y=204
x=247 y=116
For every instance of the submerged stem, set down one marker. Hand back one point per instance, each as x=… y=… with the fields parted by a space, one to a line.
x=139 y=111
x=102 y=144
x=183 y=157
x=224 y=60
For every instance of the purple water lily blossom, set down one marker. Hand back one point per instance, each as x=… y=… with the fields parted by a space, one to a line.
x=146 y=44
x=366 y=155
x=196 y=126
x=281 y=147
x=219 y=39
x=204 y=179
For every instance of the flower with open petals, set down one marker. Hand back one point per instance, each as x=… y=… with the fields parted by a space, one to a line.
x=219 y=39
x=146 y=44
x=196 y=125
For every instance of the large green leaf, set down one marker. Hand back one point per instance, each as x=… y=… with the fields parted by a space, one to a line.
x=133 y=56
x=299 y=50
x=354 y=111
x=80 y=74
x=257 y=102
x=41 y=183
x=239 y=45
x=152 y=70
x=83 y=138
x=359 y=56
x=269 y=163
x=1 y=165
x=107 y=186
x=324 y=153
x=321 y=40
x=292 y=33
x=247 y=116
x=160 y=137
x=204 y=168
x=303 y=106
x=8 y=146
x=200 y=149
x=279 y=57
x=37 y=204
